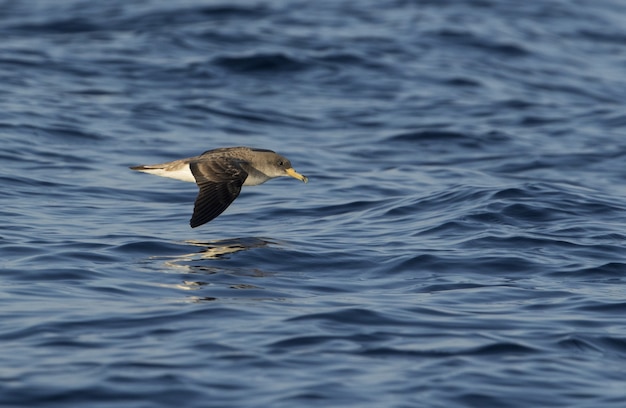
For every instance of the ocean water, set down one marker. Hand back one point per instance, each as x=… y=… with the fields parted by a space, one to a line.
x=461 y=241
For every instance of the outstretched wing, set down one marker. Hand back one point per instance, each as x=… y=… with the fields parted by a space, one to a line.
x=220 y=183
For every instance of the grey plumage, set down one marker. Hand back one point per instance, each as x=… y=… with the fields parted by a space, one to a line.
x=221 y=173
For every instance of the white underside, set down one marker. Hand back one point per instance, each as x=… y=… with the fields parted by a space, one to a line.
x=184 y=173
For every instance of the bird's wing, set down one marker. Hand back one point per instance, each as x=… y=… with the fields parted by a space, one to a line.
x=219 y=182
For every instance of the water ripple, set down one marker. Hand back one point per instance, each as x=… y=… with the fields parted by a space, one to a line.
x=460 y=242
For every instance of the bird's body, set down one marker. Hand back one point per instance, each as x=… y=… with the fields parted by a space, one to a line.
x=220 y=174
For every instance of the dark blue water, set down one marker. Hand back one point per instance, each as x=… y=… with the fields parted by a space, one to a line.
x=461 y=242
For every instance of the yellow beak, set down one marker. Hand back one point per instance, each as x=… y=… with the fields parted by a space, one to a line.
x=290 y=171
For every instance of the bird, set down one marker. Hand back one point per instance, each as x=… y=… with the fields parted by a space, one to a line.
x=220 y=174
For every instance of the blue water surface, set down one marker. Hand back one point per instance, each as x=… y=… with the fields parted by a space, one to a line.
x=461 y=242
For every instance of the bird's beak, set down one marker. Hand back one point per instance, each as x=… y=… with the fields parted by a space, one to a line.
x=291 y=172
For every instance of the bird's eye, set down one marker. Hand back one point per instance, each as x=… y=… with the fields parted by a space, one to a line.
x=281 y=163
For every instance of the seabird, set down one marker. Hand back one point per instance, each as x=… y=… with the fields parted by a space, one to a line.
x=220 y=174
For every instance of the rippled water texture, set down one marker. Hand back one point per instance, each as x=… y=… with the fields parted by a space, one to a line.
x=461 y=242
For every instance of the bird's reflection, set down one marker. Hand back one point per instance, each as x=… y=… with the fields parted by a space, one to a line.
x=207 y=260
x=220 y=248
x=214 y=250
